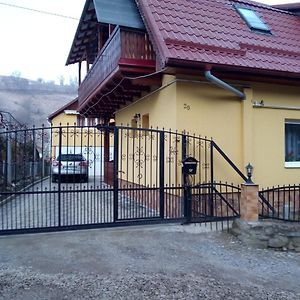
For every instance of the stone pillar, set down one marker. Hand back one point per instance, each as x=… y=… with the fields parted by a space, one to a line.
x=249 y=202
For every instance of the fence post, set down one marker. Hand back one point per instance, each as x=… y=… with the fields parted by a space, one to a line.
x=33 y=171
x=59 y=174
x=115 y=174
x=162 y=174
x=187 y=189
x=211 y=206
x=106 y=145
x=249 y=202
x=8 y=158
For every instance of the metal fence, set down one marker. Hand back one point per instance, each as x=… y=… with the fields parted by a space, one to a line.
x=22 y=159
x=134 y=177
x=284 y=203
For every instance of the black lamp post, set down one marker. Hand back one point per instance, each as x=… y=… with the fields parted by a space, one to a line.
x=249 y=169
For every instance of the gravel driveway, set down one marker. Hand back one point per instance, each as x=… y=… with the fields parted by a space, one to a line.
x=154 y=262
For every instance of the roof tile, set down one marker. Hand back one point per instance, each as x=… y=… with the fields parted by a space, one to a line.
x=212 y=31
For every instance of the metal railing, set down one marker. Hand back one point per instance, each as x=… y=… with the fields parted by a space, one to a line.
x=284 y=203
x=123 y=43
x=134 y=175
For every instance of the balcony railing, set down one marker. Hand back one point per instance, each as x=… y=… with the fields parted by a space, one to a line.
x=133 y=46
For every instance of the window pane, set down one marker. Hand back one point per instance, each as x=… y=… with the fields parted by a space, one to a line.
x=253 y=20
x=71 y=157
x=292 y=142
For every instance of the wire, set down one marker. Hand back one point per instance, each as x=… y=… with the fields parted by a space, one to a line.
x=39 y=11
x=120 y=82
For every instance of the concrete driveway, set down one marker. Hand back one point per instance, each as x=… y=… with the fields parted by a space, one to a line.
x=149 y=262
x=80 y=204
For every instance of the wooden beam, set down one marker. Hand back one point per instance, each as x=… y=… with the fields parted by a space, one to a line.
x=79 y=73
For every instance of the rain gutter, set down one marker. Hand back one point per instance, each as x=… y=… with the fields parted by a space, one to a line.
x=220 y=83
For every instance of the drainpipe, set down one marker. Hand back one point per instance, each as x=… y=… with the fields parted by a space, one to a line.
x=224 y=85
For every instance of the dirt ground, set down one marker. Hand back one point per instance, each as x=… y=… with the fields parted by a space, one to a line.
x=149 y=262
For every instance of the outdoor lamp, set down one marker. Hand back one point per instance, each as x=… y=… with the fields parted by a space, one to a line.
x=249 y=169
x=137 y=116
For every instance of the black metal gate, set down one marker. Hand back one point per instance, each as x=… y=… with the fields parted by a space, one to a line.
x=134 y=177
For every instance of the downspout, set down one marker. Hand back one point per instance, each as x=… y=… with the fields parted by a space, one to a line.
x=211 y=78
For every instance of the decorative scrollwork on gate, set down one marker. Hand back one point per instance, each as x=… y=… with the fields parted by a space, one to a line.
x=139 y=157
x=152 y=137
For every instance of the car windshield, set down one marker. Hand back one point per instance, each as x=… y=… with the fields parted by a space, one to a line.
x=71 y=157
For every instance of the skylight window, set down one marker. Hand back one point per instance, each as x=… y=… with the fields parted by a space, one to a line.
x=254 y=22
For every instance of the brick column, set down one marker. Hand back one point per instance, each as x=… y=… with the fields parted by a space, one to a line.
x=249 y=202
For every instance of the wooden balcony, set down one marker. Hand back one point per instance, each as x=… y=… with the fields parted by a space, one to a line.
x=126 y=53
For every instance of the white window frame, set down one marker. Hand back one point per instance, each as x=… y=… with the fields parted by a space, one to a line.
x=291 y=164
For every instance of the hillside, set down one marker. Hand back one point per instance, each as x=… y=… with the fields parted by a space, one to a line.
x=31 y=102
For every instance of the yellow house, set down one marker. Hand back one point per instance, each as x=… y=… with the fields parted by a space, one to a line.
x=226 y=70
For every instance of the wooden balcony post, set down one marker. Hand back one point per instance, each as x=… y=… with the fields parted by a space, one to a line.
x=79 y=73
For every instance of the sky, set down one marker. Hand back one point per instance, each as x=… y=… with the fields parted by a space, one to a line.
x=36 y=44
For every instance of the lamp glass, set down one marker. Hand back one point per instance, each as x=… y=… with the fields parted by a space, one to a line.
x=249 y=169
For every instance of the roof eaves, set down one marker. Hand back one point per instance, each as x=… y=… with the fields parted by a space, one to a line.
x=288 y=6
x=86 y=7
x=201 y=66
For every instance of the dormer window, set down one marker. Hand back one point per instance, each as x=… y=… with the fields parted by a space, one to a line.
x=254 y=22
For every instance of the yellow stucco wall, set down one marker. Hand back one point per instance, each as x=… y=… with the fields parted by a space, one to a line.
x=244 y=133
x=269 y=134
x=214 y=113
x=63 y=119
x=73 y=136
x=160 y=106
x=162 y=109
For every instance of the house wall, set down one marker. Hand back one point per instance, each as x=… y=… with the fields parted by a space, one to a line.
x=64 y=119
x=80 y=136
x=160 y=106
x=268 y=138
x=244 y=133
x=215 y=113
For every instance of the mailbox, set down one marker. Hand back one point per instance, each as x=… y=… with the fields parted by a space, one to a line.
x=189 y=166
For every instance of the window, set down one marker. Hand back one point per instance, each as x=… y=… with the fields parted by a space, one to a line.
x=253 y=21
x=292 y=144
x=145 y=123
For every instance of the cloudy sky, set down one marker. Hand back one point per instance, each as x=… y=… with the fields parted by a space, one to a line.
x=37 y=44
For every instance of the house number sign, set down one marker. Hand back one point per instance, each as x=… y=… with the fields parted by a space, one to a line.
x=186 y=106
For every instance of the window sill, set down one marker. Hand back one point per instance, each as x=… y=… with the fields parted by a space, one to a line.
x=292 y=164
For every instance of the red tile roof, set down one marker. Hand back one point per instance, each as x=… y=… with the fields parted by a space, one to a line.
x=212 y=32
